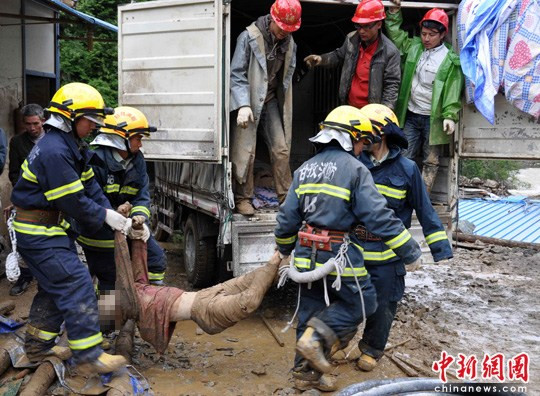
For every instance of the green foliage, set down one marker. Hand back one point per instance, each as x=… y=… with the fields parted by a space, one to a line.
x=499 y=170
x=98 y=67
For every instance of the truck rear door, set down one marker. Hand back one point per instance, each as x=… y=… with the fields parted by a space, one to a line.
x=171 y=67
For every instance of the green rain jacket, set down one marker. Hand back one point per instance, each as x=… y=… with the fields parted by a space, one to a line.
x=447 y=87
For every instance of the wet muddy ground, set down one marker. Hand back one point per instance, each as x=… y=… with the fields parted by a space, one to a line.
x=484 y=301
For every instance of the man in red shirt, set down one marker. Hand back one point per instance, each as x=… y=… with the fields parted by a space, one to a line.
x=371 y=62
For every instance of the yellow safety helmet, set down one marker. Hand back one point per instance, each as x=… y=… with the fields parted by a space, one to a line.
x=385 y=123
x=76 y=100
x=380 y=115
x=127 y=122
x=351 y=120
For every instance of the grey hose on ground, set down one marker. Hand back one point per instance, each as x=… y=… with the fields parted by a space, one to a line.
x=390 y=387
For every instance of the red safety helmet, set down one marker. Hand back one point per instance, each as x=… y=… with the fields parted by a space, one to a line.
x=436 y=15
x=369 y=11
x=287 y=14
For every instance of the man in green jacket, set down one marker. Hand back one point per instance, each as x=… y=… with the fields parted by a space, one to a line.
x=430 y=95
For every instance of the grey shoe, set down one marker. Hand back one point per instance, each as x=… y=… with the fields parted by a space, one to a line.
x=19 y=287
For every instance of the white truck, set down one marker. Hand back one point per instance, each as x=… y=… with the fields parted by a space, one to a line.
x=173 y=60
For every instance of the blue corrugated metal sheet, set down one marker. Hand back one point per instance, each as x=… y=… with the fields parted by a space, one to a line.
x=58 y=5
x=513 y=218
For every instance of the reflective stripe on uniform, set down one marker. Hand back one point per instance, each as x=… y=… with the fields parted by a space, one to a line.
x=379 y=256
x=110 y=188
x=400 y=240
x=286 y=241
x=41 y=334
x=435 y=237
x=153 y=276
x=142 y=209
x=129 y=190
x=27 y=174
x=87 y=175
x=64 y=190
x=100 y=243
x=32 y=229
x=391 y=192
x=322 y=188
x=304 y=263
x=64 y=224
x=85 y=343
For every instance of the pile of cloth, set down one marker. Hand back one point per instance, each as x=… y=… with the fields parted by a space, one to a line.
x=499 y=42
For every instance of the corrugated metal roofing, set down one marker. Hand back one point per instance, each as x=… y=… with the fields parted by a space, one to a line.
x=512 y=218
x=58 y=5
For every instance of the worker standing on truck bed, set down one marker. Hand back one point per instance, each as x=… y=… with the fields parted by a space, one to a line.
x=261 y=90
x=370 y=62
x=120 y=171
x=430 y=95
x=56 y=183
x=330 y=193
x=399 y=181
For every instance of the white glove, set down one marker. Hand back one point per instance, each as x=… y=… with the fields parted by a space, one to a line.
x=415 y=265
x=313 y=60
x=449 y=126
x=244 y=115
x=143 y=233
x=117 y=222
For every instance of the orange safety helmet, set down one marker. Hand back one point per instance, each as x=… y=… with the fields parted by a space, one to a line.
x=436 y=15
x=369 y=11
x=287 y=14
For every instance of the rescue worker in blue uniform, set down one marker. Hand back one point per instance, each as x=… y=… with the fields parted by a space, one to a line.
x=399 y=180
x=330 y=193
x=120 y=170
x=57 y=184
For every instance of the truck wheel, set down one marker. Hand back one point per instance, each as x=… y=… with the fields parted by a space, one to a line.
x=199 y=255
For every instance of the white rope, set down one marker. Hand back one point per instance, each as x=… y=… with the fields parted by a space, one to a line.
x=12 y=260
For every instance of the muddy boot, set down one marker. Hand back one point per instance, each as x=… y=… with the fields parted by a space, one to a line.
x=429 y=173
x=245 y=208
x=40 y=344
x=366 y=362
x=316 y=344
x=104 y=364
x=305 y=378
x=61 y=352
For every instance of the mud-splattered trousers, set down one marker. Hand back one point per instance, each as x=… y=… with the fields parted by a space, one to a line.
x=334 y=191
x=119 y=185
x=56 y=178
x=399 y=181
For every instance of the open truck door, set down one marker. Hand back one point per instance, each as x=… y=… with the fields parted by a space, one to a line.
x=178 y=86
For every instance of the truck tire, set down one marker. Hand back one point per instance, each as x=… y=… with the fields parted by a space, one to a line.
x=199 y=255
